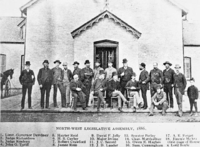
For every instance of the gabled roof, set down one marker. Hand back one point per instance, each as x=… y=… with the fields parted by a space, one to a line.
x=105 y=14
x=191 y=34
x=32 y=2
x=10 y=32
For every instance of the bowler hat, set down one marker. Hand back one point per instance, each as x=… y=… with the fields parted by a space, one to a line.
x=46 y=61
x=101 y=72
x=75 y=63
x=87 y=62
x=143 y=65
x=57 y=61
x=167 y=62
x=114 y=74
x=159 y=86
x=27 y=63
x=125 y=61
x=177 y=66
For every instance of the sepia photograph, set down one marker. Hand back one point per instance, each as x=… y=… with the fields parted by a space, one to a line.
x=100 y=61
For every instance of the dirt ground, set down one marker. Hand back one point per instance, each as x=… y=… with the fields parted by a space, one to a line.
x=96 y=117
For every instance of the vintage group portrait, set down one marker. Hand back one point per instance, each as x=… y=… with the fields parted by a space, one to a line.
x=100 y=61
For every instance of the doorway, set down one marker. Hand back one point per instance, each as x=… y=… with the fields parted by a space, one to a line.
x=104 y=51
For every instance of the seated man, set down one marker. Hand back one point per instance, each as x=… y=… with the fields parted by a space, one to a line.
x=76 y=87
x=98 y=89
x=133 y=91
x=114 y=90
x=159 y=100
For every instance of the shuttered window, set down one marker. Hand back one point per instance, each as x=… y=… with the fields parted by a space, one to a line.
x=187 y=67
x=2 y=63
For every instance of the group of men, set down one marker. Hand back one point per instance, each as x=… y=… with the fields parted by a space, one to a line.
x=106 y=84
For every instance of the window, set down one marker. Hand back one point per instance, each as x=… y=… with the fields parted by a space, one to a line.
x=2 y=63
x=22 y=62
x=187 y=67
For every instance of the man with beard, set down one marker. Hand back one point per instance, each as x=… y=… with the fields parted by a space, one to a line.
x=168 y=80
x=180 y=84
x=125 y=73
x=97 y=70
x=66 y=77
x=45 y=78
x=143 y=81
x=155 y=78
x=77 y=70
x=86 y=78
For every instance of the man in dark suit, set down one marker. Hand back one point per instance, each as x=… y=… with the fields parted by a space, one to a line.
x=125 y=73
x=66 y=77
x=143 y=81
x=168 y=80
x=45 y=78
x=27 y=79
x=86 y=78
x=114 y=91
x=180 y=84
x=77 y=87
x=77 y=70
x=155 y=78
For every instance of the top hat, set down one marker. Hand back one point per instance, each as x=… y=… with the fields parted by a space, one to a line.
x=101 y=72
x=143 y=65
x=177 y=66
x=87 y=62
x=114 y=74
x=167 y=62
x=46 y=61
x=75 y=63
x=27 y=63
x=125 y=61
x=57 y=61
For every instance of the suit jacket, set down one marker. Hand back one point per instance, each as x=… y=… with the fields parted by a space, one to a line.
x=99 y=84
x=69 y=74
x=45 y=76
x=156 y=76
x=193 y=92
x=76 y=84
x=77 y=71
x=133 y=84
x=57 y=72
x=112 y=86
x=127 y=74
x=87 y=79
x=27 y=78
x=180 y=82
x=168 y=76
x=144 y=77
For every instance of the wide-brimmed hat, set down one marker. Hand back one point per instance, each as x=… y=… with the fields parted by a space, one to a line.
x=167 y=62
x=177 y=66
x=28 y=63
x=75 y=63
x=57 y=61
x=143 y=65
x=125 y=60
x=46 y=61
x=101 y=72
x=87 y=62
x=159 y=86
x=114 y=74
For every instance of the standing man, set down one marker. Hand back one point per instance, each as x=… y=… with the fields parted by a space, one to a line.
x=77 y=70
x=125 y=73
x=86 y=78
x=109 y=70
x=66 y=78
x=76 y=87
x=45 y=78
x=27 y=80
x=155 y=78
x=168 y=80
x=97 y=70
x=180 y=84
x=57 y=81
x=143 y=81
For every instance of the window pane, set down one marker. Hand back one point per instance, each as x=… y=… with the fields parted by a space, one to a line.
x=187 y=64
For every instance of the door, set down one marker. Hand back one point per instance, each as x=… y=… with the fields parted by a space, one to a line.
x=104 y=54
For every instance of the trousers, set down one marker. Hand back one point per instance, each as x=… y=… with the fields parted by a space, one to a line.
x=120 y=97
x=24 y=89
x=46 y=88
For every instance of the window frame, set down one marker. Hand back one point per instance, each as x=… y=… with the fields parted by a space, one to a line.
x=190 y=64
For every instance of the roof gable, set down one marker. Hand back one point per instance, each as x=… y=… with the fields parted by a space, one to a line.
x=105 y=14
